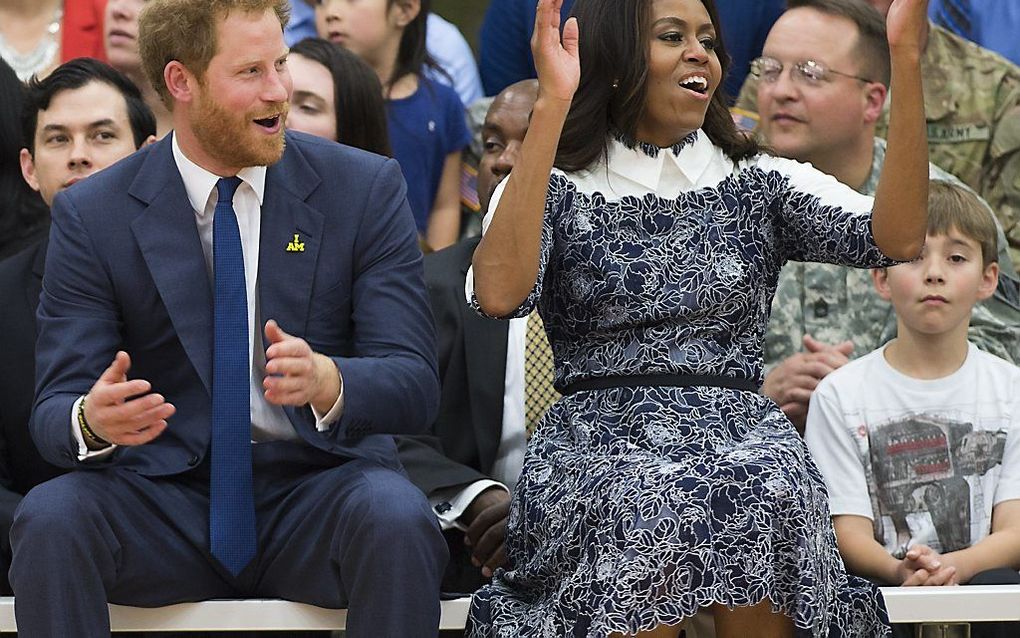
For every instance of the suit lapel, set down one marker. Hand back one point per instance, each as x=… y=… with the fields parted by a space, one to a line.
x=168 y=239
x=289 y=242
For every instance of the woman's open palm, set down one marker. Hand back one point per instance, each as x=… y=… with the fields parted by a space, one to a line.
x=556 y=59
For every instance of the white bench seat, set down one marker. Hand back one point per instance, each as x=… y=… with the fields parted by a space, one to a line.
x=979 y=603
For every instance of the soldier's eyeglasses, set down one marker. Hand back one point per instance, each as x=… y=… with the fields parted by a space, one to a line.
x=808 y=72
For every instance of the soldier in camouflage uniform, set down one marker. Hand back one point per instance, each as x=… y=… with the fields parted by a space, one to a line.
x=972 y=104
x=823 y=315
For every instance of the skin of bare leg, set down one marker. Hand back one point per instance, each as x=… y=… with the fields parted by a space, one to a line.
x=757 y=620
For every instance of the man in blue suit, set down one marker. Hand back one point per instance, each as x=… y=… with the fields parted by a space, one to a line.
x=231 y=321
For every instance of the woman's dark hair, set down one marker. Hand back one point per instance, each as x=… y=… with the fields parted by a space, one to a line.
x=22 y=210
x=614 y=37
x=357 y=94
x=413 y=57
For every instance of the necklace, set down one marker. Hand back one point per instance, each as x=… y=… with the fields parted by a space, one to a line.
x=26 y=65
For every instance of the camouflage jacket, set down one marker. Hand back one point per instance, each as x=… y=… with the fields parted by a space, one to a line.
x=835 y=303
x=972 y=104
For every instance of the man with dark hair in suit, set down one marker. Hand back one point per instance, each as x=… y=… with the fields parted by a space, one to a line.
x=474 y=457
x=78 y=120
x=232 y=322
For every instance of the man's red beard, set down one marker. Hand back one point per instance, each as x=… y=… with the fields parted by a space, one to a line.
x=232 y=139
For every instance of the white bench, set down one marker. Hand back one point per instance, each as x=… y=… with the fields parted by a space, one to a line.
x=979 y=603
x=236 y=615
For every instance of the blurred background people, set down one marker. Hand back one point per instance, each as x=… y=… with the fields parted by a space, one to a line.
x=120 y=42
x=24 y=217
x=425 y=118
x=336 y=96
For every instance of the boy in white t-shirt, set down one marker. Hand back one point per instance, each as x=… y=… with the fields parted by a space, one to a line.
x=918 y=441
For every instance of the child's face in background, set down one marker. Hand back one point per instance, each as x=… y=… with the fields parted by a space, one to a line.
x=935 y=294
x=369 y=28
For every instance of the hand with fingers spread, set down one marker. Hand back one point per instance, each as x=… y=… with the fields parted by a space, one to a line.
x=486 y=533
x=123 y=411
x=296 y=375
x=791 y=383
x=556 y=58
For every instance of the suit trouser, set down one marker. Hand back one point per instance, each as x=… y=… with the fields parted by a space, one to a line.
x=332 y=533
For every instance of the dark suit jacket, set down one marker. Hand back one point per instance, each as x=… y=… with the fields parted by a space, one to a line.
x=472 y=367
x=126 y=270
x=21 y=466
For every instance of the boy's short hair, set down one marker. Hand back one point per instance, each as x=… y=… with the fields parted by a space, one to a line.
x=185 y=30
x=955 y=207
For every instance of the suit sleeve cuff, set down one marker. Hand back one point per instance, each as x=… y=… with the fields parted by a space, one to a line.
x=84 y=453
x=450 y=504
x=324 y=422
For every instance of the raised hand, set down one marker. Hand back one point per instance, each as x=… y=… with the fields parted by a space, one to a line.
x=296 y=375
x=122 y=411
x=907 y=24
x=556 y=60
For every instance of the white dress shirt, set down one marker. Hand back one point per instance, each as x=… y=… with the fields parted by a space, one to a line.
x=268 y=422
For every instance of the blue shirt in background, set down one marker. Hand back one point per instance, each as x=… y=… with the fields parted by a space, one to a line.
x=995 y=25
x=506 y=39
x=424 y=128
x=444 y=42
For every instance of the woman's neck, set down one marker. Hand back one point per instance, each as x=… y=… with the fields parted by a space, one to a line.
x=27 y=9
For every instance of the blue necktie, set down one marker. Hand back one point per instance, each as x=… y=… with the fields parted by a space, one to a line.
x=955 y=15
x=231 y=502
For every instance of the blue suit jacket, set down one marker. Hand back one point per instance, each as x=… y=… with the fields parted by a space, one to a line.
x=125 y=270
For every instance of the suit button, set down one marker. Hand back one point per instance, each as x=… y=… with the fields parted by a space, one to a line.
x=193 y=461
x=821 y=309
x=443 y=508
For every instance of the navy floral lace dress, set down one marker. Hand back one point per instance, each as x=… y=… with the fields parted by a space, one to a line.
x=637 y=506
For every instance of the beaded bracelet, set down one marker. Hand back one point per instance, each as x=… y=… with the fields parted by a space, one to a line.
x=86 y=431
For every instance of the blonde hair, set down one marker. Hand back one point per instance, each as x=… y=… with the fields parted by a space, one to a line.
x=185 y=31
x=955 y=207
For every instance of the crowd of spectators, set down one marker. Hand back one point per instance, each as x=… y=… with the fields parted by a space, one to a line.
x=810 y=78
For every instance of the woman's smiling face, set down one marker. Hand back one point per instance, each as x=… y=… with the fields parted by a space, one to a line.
x=684 y=71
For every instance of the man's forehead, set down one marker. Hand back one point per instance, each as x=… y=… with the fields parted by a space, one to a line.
x=511 y=104
x=248 y=37
x=809 y=33
x=83 y=106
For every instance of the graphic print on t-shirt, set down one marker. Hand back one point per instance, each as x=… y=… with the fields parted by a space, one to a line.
x=926 y=480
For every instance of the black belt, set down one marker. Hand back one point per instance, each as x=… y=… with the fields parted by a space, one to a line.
x=675 y=380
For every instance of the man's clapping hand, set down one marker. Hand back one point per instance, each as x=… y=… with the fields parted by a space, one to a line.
x=122 y=411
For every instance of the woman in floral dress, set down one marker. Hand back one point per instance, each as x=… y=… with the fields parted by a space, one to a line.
x=651 y=236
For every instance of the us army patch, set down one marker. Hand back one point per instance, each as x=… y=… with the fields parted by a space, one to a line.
x=953 y=134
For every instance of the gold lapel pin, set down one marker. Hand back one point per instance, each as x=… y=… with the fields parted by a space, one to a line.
x=296 y=246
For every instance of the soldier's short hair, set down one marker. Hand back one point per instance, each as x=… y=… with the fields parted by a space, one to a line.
x=956 y=207
x=185 y=31
x=872 y=42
